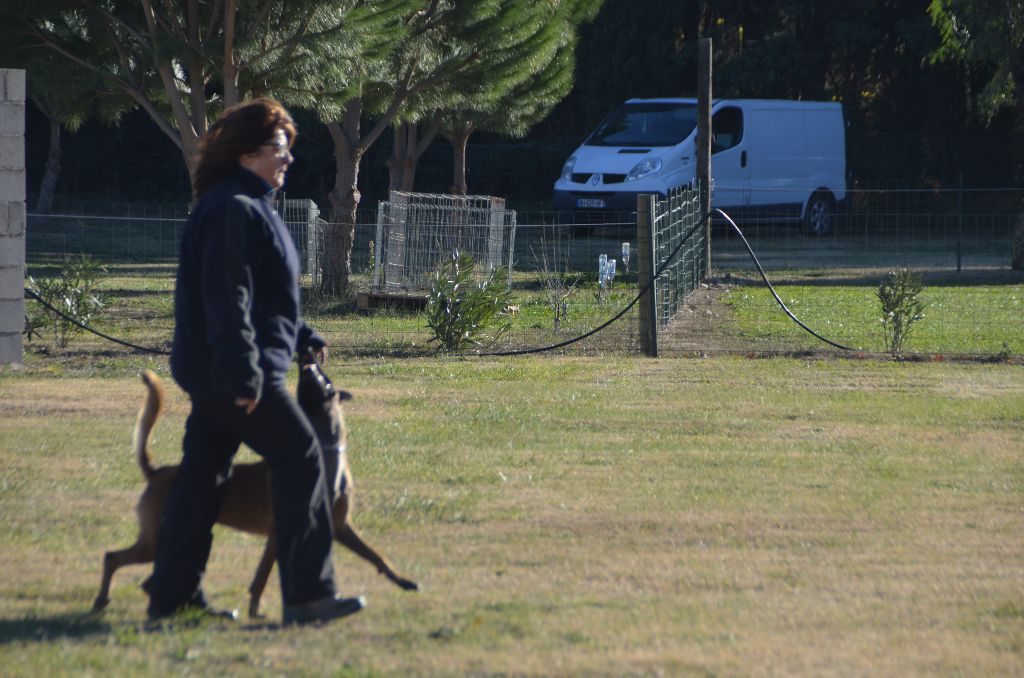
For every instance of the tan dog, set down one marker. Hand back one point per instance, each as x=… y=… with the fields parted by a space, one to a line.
x=247 y=500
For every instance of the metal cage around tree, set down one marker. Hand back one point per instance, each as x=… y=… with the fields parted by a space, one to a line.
x=417 y=232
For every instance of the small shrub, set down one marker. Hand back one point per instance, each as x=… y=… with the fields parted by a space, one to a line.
x=461 y=312
x=900 y=307
x=559 y=284
x=73 y=292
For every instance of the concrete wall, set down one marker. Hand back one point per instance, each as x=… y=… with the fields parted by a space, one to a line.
x=12 y=214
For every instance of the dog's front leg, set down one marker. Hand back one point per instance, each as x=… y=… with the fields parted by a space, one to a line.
x=347 y=536
x=259 y=581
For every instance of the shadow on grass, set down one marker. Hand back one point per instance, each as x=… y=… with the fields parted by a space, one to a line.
x=44 y=629
x=83 y=625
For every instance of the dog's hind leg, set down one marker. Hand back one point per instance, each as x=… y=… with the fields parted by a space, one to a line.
x=142 y=551
x=259 y=580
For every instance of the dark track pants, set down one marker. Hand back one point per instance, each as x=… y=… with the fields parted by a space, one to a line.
x=279 y=432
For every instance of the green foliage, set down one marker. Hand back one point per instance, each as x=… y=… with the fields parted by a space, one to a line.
x=900 y=307
x=979 y=33
x=184 y=62
x=518 y=88
x=462 y=312
x=74 y=292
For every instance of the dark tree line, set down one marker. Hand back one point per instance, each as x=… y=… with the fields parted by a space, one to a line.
x=928 y=86
x=912 y=115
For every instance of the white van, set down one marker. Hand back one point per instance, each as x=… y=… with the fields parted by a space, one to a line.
x=773 y=160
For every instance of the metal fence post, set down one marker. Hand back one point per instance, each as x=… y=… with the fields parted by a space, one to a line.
x=960 y=225
x=645 y=266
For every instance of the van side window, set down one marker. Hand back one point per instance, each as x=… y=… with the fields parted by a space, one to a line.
x=726 y=129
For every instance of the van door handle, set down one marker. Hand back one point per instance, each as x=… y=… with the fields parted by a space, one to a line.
x=743 y=159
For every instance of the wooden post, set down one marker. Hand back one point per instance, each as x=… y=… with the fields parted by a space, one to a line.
x=645 y=263
x=704 y=143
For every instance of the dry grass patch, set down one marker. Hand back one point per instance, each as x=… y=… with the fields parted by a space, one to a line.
x=571 y=516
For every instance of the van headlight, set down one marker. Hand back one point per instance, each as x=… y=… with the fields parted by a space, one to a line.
x=644 y=168
x=568 y=167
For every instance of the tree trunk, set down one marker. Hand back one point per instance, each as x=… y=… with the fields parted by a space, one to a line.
x=187 y=134
x=48 y=186
x=399 y=150
x=408 y=149
x=459 y=140
x=349 y=148
x=1017 y=252
x=1017 y=244
x=230 y=68
x=344 y=198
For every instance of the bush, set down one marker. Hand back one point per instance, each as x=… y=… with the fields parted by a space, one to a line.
x=900 y=307
x=73 y=292
x=460 y=311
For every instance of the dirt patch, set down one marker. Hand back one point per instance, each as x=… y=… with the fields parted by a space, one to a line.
x=704 y=323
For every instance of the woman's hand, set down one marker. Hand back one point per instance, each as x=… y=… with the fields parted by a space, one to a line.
x=248 y=403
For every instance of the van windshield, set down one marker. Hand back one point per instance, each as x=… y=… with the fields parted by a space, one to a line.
x=646 y=124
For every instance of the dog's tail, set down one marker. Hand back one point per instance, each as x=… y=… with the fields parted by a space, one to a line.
x=148 y=414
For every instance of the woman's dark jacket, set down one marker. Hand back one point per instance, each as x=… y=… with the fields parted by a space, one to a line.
x=237 y=296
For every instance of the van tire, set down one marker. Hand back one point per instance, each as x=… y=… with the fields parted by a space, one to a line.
x=820 y=214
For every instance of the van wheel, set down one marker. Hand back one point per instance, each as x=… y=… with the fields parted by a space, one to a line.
x=820 y=212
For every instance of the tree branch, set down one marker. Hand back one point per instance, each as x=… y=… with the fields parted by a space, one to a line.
x=113 y=19
x=229 y=69
x=211 y=28
x=433 y=127
x=196 y=71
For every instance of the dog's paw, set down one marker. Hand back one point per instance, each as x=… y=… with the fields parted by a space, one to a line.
x=408 y=585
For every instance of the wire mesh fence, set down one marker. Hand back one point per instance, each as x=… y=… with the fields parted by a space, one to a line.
x=418 y=232
x=678 y=227
x=958 y=241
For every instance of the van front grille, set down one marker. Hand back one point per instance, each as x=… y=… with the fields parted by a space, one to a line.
x=581 y=178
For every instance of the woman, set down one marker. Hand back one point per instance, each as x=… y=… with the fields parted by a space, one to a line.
x=237 y=326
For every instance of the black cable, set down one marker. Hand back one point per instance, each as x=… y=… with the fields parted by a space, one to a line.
x=567 y=342
x=772 y=289
x=552 y=347
x=71 y=320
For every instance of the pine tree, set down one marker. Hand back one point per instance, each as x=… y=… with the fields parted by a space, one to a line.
x=67 y=96
x=183 y=62
x=455 y=52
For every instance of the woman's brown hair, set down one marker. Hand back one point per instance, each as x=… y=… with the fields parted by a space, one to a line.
x=240 y=129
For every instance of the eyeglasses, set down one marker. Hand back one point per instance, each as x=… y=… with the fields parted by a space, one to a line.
x=280 y=150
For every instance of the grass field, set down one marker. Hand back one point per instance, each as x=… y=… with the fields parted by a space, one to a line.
x=566 y=516
x=976 y=314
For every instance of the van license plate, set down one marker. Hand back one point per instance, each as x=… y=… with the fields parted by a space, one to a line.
x=590 y=202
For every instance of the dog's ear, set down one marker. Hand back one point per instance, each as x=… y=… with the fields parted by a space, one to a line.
x=343 y=396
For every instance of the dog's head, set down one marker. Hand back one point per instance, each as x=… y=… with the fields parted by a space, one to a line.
x=315 y=391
